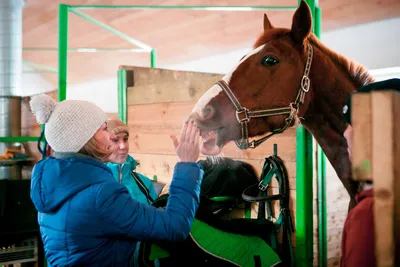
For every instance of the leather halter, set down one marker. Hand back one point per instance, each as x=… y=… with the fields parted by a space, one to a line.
x=243 y=115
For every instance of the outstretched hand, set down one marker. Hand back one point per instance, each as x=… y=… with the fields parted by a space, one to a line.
x=187 y=148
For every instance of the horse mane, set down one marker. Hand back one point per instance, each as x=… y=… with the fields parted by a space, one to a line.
x=358 y=74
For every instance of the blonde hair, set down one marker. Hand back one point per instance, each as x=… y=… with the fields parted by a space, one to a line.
x=91 y=149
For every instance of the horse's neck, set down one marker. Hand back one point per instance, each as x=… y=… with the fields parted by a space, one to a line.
x=324 y=119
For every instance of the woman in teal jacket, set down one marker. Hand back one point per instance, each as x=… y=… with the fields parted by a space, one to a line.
x=86 y=218
x=123 y=166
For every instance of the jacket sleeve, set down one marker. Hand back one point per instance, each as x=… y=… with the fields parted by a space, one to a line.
x=122 y=215
x=358 y=236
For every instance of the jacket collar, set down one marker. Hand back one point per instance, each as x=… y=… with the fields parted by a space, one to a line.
x=67 y=155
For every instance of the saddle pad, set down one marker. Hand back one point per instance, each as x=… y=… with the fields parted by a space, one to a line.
x=236 y=248
x=240 y=249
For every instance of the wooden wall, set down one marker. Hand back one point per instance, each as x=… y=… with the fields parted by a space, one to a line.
x=158 y=102
x=376 y=158
x=337 y=201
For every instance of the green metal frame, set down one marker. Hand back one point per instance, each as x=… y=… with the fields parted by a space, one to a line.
x=304 y=184
x=206 y=8
x=304 y=148
x=322 y=212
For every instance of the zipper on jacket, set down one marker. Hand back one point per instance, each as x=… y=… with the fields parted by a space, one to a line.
x=120 y=172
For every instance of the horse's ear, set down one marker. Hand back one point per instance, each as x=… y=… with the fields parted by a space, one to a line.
x=267 y=23
x=302 y=23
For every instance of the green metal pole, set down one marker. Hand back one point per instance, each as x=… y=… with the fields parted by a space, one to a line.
x=304 y=198
x=90 y=49
x=112 y=30
x=322 y=221
x=209 y=8
x=304 y=191
x=153 y=58
x=122 y=109
x=62 y=51
x=40 y=66
x=19 y=139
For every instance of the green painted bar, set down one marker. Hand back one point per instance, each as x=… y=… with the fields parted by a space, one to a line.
x=304 y=198
x=208 y=8
x=90 y=49
x=62 y=51
x=304 y=192
x=153 y=58
x=112 y=30
x=122 y=104
x=40 y=66
x=10 y=139
x=322 y=211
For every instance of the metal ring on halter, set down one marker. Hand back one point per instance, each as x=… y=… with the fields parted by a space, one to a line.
x=246 y=115
x=305 y=83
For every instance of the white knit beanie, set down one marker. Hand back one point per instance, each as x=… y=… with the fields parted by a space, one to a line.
x=69 y=124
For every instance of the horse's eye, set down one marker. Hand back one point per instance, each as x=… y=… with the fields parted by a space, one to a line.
x=269 y=61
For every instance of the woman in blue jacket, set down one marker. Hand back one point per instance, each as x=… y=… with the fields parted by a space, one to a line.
x=86 y=218
x=123 y=165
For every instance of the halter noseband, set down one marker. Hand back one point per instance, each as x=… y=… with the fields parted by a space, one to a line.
x=243 y=115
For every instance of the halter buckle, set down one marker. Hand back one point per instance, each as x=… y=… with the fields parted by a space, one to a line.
x=305 y=83
x=245 y=115
x=262 y=187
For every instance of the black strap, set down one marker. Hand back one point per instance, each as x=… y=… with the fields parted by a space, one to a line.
x=257 y=261
x=274 y=168
x=142 y=187
x=42 y=138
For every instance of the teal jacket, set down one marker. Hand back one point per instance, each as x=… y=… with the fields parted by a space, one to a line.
x=123 y=174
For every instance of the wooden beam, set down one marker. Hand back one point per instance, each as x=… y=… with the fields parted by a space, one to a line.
x=376 y=155
x=152 y=85
x=386 y=175
x=362 y=137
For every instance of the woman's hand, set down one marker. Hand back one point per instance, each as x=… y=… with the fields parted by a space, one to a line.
x=187 y=148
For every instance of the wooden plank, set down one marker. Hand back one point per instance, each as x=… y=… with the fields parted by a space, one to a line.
x=161 y=85
x=361 y=113
x=161 y=144
x=396 y=174
x=385 y=171
x=151 y=125
x=161 y=115
x=162 y=166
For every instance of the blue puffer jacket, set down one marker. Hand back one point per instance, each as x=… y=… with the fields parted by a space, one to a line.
x=86 y=218
x=123 y=174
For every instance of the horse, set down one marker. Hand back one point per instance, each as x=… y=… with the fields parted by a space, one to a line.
x=290 y=76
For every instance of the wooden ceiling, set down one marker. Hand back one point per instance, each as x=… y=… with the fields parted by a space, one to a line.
x=177 y=35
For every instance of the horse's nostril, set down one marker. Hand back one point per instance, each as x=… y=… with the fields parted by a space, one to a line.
x=208 y=112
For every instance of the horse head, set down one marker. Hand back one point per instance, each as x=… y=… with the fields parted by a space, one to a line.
x=264 y=93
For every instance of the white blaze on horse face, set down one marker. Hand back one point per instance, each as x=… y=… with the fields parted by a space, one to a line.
x=216 y=89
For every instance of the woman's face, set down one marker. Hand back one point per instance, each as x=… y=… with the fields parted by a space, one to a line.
x=104 y=138
x=120 y=148
x=348 y=134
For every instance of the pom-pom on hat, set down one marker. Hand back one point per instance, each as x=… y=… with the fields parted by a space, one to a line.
x=69 y=124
